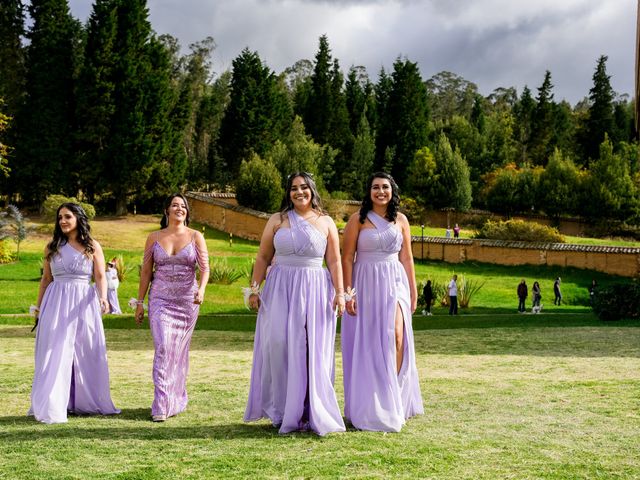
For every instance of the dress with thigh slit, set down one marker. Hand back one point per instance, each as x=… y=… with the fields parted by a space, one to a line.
x=71 y=372
x=376 y=396
x=293 y=356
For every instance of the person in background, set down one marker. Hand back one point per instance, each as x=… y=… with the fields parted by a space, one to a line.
x=456 y=231
x=452 y=291
x=447 y=232
x=427 y=293
x=113 y=282
x=171 y=256
x=523 y=293
x=537 y=297
x=293 y=353
x=592 y=290
x=71 y=372
x=381 y=385
x=556 y=291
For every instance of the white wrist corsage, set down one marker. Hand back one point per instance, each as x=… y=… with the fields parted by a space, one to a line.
x=33 y=310
x=350 y=294
x=134 y=302
x=253 y=289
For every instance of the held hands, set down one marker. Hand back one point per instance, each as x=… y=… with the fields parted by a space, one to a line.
x=339 y=303
x=352 y=306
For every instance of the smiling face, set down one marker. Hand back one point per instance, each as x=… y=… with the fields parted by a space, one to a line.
x=67 y=221
x=177 y=210
x=381 y=192
x=300 y=193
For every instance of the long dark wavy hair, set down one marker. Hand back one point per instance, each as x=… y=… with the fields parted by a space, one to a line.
x=82 y=226
x=164 y=222
x=394 y=203
x=316 y=201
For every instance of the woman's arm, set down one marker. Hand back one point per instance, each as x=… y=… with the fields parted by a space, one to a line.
x=145 y=277
x=332 y=258
x=406 y=258
x=264 y=257
x=349 y=244
x=202 y=255
x=46 y=279
x=100 y=276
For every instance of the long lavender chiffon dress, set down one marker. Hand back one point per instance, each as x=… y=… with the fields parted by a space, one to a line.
x=376 y=396
x=71 y=372
x=293 y=355
x=172 y=317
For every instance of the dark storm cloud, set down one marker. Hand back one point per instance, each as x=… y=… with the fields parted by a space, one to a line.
x=493 y=43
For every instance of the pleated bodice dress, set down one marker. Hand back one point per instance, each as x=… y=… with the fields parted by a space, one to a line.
x=377 y=397
x=172 y=318
x=293 y=356
x=71 y=372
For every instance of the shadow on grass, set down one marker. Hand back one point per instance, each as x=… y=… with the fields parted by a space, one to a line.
x=136 y=424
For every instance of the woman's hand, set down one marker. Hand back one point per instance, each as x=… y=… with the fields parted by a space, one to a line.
x=139 y=313
x=338 y=303
x=104 y=305
x=352 y=306
x=198 y=297
x=254 y=301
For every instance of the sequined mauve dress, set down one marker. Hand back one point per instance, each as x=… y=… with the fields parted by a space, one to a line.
x=71 y=372
x=293 y=355
x=375 y=396
x=172 y=317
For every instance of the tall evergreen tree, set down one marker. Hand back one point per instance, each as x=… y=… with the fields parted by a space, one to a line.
x=340 y=136
x=257 y=112
x=558 y=190
x=383 y=127
x=451 y=182
x=44 y=150
x=12 y=68
x=96 y=103
x=317 y=114
x=360 y=164
x=600 y=120
x=523 y=128
x=407 y=114
x=542 y=125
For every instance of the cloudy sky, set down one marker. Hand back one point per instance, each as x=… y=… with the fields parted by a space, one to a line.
x=493 y=43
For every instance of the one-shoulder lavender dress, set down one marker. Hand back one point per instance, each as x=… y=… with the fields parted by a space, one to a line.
x=71 y=372
x=172 y=317
x=293 y=356
x=376 y=396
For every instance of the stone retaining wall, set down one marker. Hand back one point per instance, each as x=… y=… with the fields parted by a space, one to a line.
x=246 y=223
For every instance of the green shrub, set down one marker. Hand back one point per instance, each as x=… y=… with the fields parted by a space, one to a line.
x=259 y=186
x=412 y=209
x=221 y=273
x=6 y=252
x=519 y=230
x=51 y=204
x=617 y=301
x=439 y=288
x=467 y=288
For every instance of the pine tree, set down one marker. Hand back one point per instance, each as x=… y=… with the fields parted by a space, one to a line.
x=258 y=112
x=44 y=150
x=360 y=164
x=558 y=188
x=542 y=125
x=383 y=125
x=600 y=120
x=317 y=114
x=523 y=128
x=407 y=114
x=451 y=184
x=12 y=67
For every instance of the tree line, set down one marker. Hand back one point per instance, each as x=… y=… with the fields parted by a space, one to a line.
x=113 y=113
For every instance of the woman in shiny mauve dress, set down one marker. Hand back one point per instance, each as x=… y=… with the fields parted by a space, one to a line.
x=171 y=256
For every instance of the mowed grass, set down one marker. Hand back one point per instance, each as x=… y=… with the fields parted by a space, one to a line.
x=554 y=396
x=524 y=402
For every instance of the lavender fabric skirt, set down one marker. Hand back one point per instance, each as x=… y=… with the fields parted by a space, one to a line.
x=114 y=304
x=293 y=356
x=376 y=397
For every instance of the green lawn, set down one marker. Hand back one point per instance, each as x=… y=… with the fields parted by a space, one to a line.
x=552 y=396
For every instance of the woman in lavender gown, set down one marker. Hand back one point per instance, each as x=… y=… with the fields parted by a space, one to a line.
x=381 y=385
x=71 y=372
x=170 y=259
x=293 y=356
